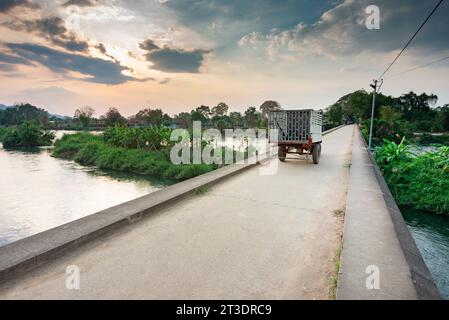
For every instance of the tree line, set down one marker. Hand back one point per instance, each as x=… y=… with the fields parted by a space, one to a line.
x=213 y=117
x=394 y=118
x=218 y=117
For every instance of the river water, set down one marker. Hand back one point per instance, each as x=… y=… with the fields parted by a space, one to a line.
x=431 y=234
x=39 y=192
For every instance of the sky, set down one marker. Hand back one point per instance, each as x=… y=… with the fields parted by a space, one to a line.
x=179 y=54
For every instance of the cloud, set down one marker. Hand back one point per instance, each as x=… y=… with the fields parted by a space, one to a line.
x=6 y=5
x=341 y=30
x=45 y=92
x=177 y=61
x=252 y=38
x=100 y=47
x=148 y=45
x=132 y=55
x=229 y=20
x=53 y=29
x=9 y=59
x=266 y=14
x=80 y=3
x=164 y=81
x=94 y=69
x=173 y=60
x=7 y=67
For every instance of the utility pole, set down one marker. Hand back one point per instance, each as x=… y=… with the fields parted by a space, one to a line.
x=375 y=87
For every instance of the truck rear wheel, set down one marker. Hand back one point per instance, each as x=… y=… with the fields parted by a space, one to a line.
x=282 y=153
x=316 y=153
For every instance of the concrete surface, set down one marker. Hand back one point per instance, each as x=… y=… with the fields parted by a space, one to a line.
x=370 y=238
x=251 y=236
x=25 y=254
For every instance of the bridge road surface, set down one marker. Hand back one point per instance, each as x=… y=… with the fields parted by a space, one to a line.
x=249 y=237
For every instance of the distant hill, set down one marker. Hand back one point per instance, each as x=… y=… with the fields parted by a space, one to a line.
x=3 y=107
x=58 y=116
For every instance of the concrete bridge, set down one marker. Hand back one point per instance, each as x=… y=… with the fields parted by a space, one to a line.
x=245 y=236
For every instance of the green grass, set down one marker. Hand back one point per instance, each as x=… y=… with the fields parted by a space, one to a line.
x=91 y=150
x=420 y=182
x=335 y=275
x=201 y=190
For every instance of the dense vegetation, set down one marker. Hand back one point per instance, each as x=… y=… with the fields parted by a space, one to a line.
x=394 y=117
x=3 y=131
x=141 y=151
x=153 y=138
x=23 y=112
x=26 y=135
x=419 y=181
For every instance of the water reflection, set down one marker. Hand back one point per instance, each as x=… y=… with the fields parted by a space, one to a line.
x=39 y=192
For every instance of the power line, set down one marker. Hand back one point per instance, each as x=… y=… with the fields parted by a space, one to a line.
x=419 y=67
x=413 y=37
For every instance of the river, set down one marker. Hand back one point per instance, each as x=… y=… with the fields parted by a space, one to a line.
x=431 y=234
x=39 y=192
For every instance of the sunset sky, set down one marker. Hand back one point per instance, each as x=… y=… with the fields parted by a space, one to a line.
x=179 y=54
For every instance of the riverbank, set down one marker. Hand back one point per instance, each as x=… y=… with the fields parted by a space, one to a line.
x=418 y=177
x=92 y=150
x=418 y=181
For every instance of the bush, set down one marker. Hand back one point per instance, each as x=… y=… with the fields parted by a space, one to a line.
x=88 y=149
x=70 y=144
x=3 y=132
x=88 y=154
x=151 y=138
x=391 y=153
x=421 y=182
x=27 y=135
